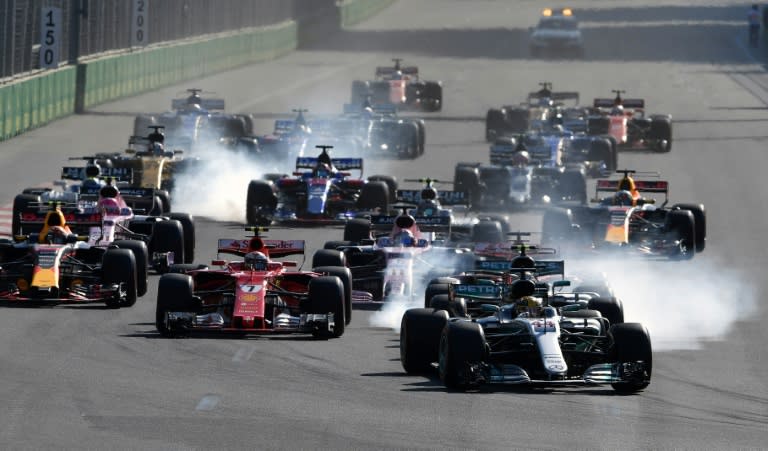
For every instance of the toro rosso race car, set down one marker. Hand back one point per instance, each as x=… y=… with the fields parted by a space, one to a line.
x=255 y=295
x=401 y=86
x=625 y=121
x=524 y=330
x=628 y=221
x=324 y=194
x=55 y=266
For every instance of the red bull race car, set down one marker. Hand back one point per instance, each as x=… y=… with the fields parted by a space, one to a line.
x=624 y=120
x=629 y=221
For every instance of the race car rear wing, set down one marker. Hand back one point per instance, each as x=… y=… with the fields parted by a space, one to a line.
x=554 y=95
x=413 y=196
x=385 y=71
x=648 y=186
x=626 y=103
x=510 y=250
x=543 y=268
x=274 y=248
x=207 y=104
x=425 y=223
x=78 y=173
x=74 y=219
x=342 y=164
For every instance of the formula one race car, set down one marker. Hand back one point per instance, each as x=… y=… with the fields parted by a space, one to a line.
x=255 y=295
x=625 y=121
x=529 y=170
x=401 y=86
x=390 y=265
x=627 y=221
x=523 y=330
x=324 y=194
x=99 y=209
x=557 y=32
x=542 y=107
x=194 y=120
x=55 y=266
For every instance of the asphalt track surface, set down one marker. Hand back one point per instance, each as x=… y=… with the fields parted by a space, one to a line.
x=92 y=378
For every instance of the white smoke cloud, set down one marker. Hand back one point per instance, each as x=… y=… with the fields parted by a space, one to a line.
x=683 y=304
x=217 y=187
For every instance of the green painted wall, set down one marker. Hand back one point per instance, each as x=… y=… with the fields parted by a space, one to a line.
x=354 y=11
x=37 y=100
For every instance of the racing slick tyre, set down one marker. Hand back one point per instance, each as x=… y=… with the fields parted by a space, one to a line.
x=631 y=343
x=391 y=182
x=437 y=286
x=328 y=257
x=326 y=295
x=598 y=125
x=345 y=275
x=422 y=135
x=556 y=226
x=420 y=331
x=335 y=245
x=462 y=344
x=487 y=232
x=467 y=179
x=141 y=125
x=601 y=149
x=141 y=254
x=573 y=185
x=700 y=222
x=610 y=308
x=432 y=96
x=165 y=198
x=409 y=139
x=168 y=236
x=20 y=204
x=681 y=225
x=357 y=230
x=661 y=133
x=494 y=124
x=374 y=195
x=174 y=294
x=119 y=266
x=456 y=308
x=260 y=197
x=188 y=226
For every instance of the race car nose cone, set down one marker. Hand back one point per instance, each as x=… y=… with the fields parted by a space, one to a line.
x=315 y=205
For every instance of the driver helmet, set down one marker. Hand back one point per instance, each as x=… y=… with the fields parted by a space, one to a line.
x=156 y=148
x=322 y=170
x=57 y=235
x=194 y=99
x=521 y=158
x=92 y=171
x=617 y=110
x=367 y=112
x=529 y=305
x=428 y=194
x=255 y=261
x=397 y=75
x=623 y=198
x=193 y=107
x=523 y=261
x=404 y=238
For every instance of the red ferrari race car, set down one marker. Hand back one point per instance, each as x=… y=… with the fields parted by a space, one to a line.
x=625 y=121
x=256 y=295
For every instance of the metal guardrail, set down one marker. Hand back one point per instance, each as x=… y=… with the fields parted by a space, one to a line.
x=105 y=25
